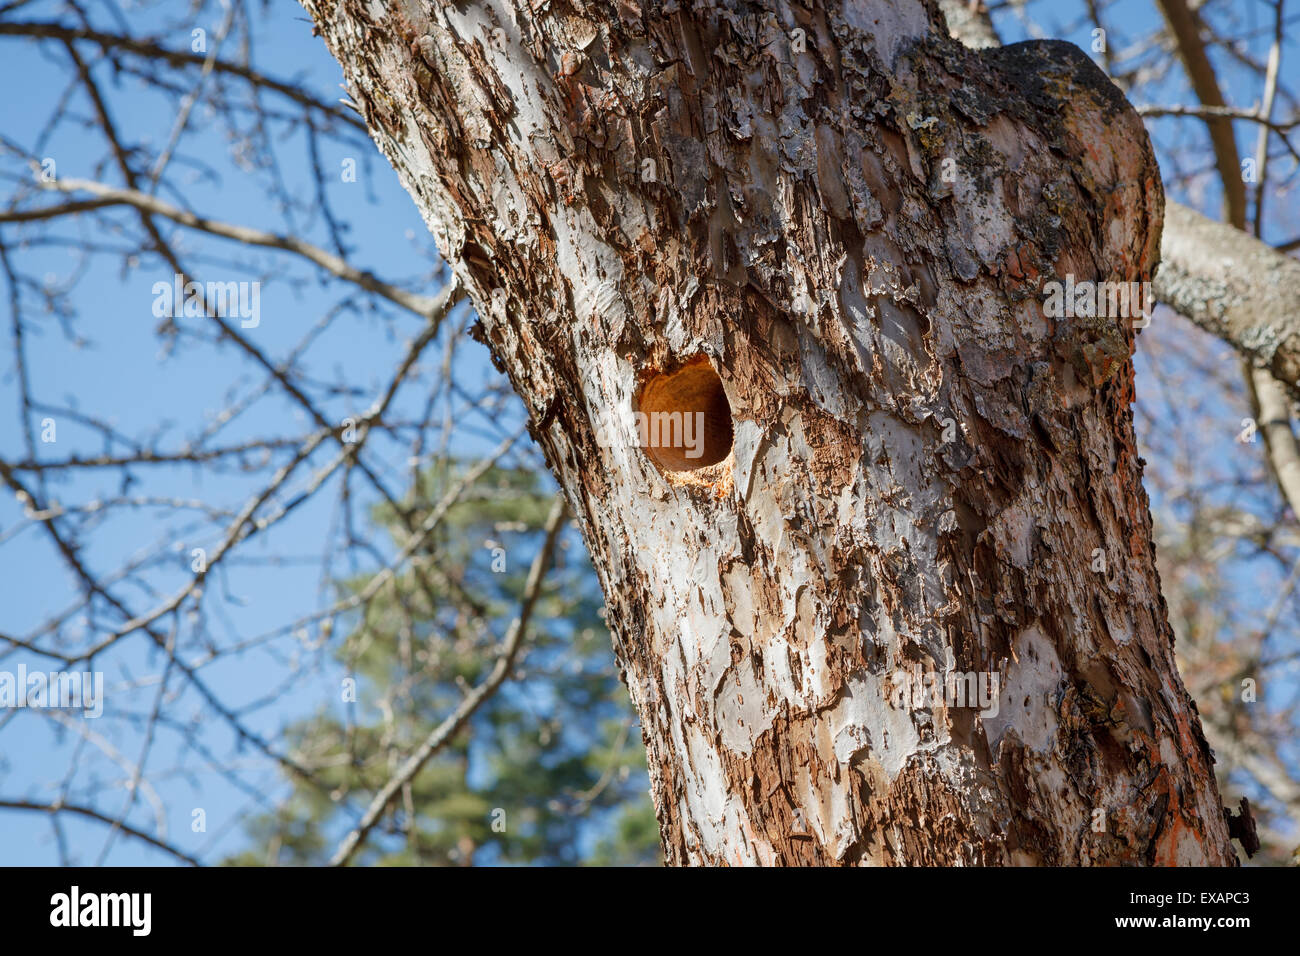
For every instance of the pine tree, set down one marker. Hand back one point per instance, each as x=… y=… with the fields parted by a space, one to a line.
x=549 y=770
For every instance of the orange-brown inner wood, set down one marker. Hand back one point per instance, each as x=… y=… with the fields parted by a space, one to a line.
x=687 y=418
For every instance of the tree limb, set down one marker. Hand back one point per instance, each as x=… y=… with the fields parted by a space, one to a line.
x=1235 y=287
x=427 y=307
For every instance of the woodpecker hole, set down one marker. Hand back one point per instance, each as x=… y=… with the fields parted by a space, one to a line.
x=684 y=418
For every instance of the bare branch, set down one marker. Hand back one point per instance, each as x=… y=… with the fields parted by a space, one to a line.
x=104 y=818
x=428 y=307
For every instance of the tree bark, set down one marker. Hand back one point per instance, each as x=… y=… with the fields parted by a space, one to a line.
x=825 y=231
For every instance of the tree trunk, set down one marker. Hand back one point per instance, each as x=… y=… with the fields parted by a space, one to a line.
x=821 y=234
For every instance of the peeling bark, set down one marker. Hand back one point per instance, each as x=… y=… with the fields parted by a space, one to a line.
x=848 y=217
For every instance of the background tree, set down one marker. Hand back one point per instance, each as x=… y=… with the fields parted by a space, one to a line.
x=556 y=743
